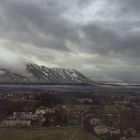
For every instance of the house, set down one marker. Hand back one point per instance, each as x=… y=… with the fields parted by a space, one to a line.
x=114 y=131
x=83 y=100
x=101 y=130
x=40 y=112
x=44 y=110
x=16 y=123
x=19 y=119
x=95 y=121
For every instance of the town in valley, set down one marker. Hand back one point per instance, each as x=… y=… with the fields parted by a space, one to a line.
x=110 y=113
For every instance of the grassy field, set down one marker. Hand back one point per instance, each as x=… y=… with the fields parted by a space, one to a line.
x=47 y=134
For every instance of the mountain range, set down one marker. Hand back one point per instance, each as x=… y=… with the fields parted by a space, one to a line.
x=35 y=74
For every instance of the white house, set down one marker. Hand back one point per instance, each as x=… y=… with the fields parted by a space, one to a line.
x=95 y=121
x=15 y=123
x=101 y=130
x=114 y=131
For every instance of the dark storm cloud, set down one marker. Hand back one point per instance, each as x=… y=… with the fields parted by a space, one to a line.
x=105 y=41
x=39 y=23
x=133 y=5
x=99 y=37
x=84 y=3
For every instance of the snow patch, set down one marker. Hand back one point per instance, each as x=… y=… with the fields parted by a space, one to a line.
x=45 y=73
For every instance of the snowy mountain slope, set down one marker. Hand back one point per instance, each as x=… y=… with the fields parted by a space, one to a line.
x=41 y=74
x=56 y=75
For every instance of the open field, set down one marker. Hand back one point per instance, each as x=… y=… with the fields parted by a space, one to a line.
x=47 y=134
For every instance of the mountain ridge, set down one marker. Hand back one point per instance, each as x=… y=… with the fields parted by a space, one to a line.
x=35 y=74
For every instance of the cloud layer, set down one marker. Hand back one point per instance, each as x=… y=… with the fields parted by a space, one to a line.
x=98 y=37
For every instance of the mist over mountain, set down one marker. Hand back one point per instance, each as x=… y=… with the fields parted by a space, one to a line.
x=35 y=74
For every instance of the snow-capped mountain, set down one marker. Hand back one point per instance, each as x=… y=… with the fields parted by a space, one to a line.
x=41 y=74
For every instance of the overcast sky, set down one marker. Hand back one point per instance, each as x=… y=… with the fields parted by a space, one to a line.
x=100 y=38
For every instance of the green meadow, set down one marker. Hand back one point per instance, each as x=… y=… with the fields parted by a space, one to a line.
x=47 y=134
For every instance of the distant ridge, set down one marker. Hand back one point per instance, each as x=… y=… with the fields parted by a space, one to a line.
x=35 y=74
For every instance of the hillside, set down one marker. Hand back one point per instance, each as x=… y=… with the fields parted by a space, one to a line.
x=35 y=74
